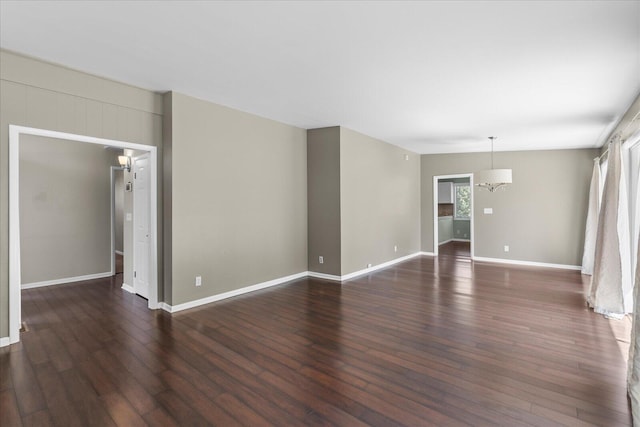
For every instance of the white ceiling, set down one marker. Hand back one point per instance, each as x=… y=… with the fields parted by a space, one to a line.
x=428 y=76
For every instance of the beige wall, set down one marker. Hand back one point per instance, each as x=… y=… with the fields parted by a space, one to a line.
x=323 y=204
x=118 y=196
x=65 y=209
x=42 y=95
x=379 y=199
x=239 y=199
x=364 y=200
x=541 y=216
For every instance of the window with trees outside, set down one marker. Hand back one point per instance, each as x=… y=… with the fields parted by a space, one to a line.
x=462 y=202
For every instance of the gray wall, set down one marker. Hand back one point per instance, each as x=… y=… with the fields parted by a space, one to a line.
x=42 y=95
x=461 y=229
x=239 y=199
x=323 y=205
x=541 y=216
x=118 y=210
x=65 y=209
x=379 y=199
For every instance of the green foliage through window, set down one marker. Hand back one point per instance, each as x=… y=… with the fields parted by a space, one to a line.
x=463 y=201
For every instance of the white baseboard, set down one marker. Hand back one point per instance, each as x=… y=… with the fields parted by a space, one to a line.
x=527 y=263
x=128 y=288
x=65 y=280
x=427 y=253
x=364 y=271
x=236 y=292
x=379 y=266
x=324 y=276
x=5 y=341
x=119 y=253
x=454 y=240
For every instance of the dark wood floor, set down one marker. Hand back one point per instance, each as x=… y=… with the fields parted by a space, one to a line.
x=426 y=342
x=455 y=248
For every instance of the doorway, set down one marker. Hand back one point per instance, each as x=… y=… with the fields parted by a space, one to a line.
x=117 y=220
x=453 y=215
x=15 y=282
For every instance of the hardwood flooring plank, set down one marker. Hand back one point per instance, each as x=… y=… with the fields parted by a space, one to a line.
x=160 y=417
x=9 y=408
x=37 y=419
x=430 y=341
x=61 y=408
x=122 y=413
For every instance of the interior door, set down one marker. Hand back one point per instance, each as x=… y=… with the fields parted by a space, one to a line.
x=141 y=227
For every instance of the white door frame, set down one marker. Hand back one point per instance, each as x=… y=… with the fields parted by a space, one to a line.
x=15 y=316
x=435 y=210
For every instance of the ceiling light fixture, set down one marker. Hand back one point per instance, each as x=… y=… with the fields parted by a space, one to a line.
x=492 y=179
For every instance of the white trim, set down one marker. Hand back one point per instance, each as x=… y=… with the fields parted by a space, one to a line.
x=119 y=252
x=14 y=214
x=527 y=263
x=236 y=292
x=445 y=242
x=5 y=341
x=435 y=210
x=363 y=271
x=112 y=220
x=379 y=266
x=15 y=307
x=66 y=280
x=129 y=288
x=423 y=253
x=454 y=240
x=324 y=276
x=164 y=306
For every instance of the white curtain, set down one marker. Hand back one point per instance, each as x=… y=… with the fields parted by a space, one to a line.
x=633 y=371
x=591 y=229
x=611 y=291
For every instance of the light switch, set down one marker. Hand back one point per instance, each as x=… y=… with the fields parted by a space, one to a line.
x=488 y=211
x=128 y=216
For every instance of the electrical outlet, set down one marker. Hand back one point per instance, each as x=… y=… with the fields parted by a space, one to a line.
x=506 y=248
x=321 y=259
x=395 y=248
x=368 y=265
x=198 y=280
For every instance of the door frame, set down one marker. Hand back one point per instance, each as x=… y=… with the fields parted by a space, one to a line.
x=15 y=308
x=436 y=178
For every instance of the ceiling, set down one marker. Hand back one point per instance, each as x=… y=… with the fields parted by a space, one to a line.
x=432 y=77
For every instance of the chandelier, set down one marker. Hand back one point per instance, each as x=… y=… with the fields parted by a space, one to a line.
x=492 y=179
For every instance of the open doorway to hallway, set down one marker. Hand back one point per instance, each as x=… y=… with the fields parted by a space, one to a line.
x=453 y=215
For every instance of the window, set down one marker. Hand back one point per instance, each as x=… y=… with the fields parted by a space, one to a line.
x=462 y=202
